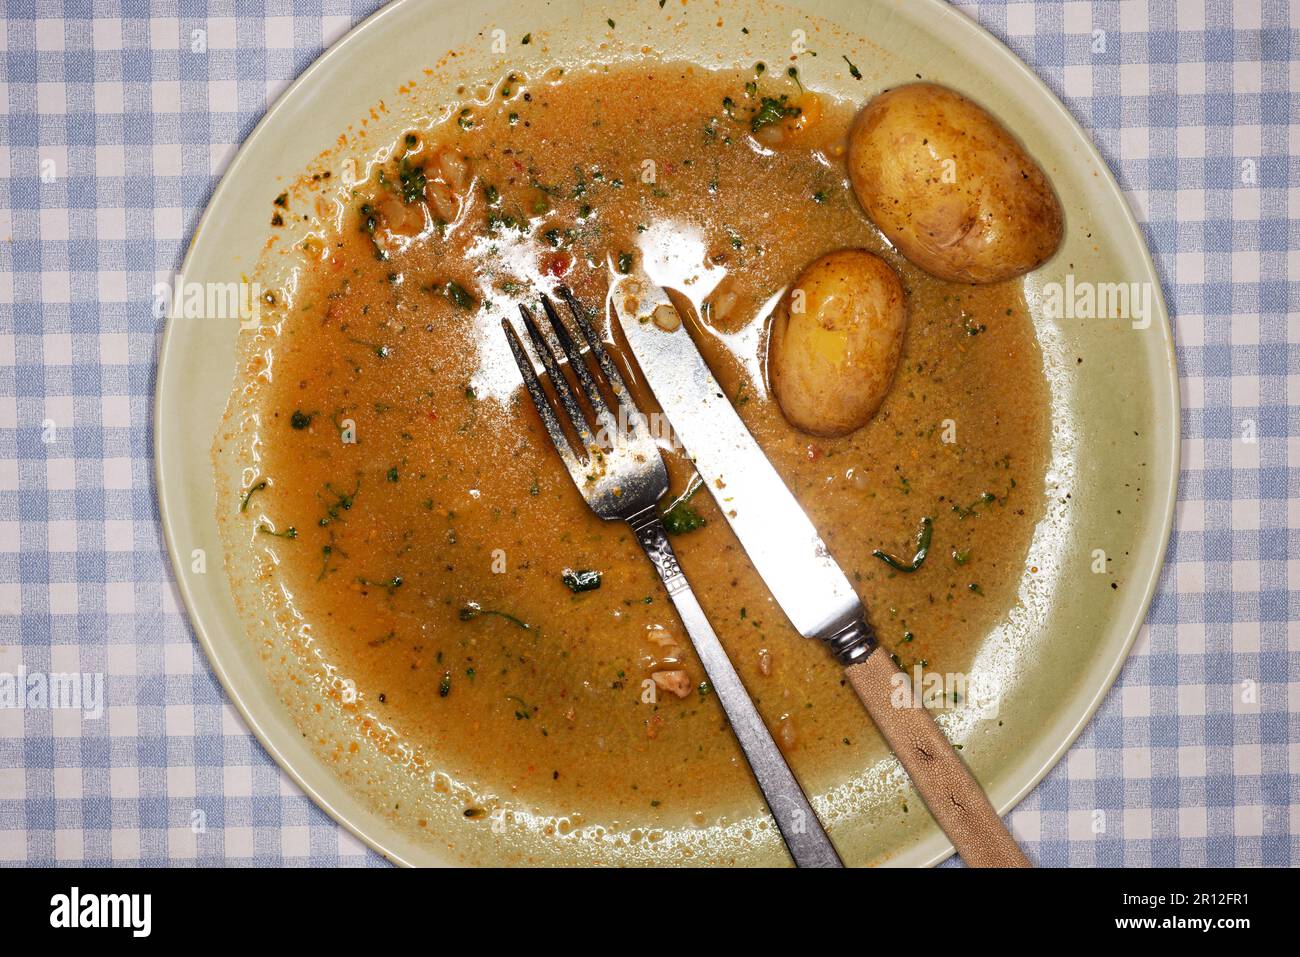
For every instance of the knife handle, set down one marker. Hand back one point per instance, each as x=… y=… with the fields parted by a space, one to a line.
x=944 y=782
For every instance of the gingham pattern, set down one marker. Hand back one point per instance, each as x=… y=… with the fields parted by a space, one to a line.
x=1179 y=97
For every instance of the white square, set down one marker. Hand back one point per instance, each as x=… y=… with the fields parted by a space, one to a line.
x=295 y=841
x=1134 y=143
x=180 y=721
x=69 y=845
x=1077 y=17
x=1245 y=637
x=164 y=33
x=121 y=660
x=1247 y=759
x=113 y=349
x=279 y=33
x=54 y=286
x=119 y=536
x=239 y=842
x=178 y=659
x=1136 y=763
x=8 y=537
x=115 y=411
x=119 y=598
x=1245 y=77
x=222 y=96
x=1078 y=79
x=110 y=160
x=165 y=96
x=13 y=784
x=1191 y=761
x=112 y=285
x=63 y=598
x=1026 y=825
x=57 y=348
x=126 y=844
x=1248 y=821
x=1189 y=577
x=1245 y=266
x=1137 y=824
x=124 y=722
x=49 y=35
x=1245 y=514
x=167 y=222
x=1081 y=764
x=67 y=784
x=1020 y=19
x=1189 y=267
x=1245 y=207
x=8 y=409
x=1245 y=576
x=1135 y=79
x=167 y=159
x=62 y=536
x=58 y=410
x=110 y=223
x=1191 y=822
x=106 y=34
x=51 y=99
x=60 y=474
x=9 y=475
x=13 y=846
x=180 y=780
x=221 y=32
x=54 y=224
x=237 y=781
x=109 y=99
x=333 y=27
x=1191 y=78
x=10 y=601
x=1078 y=825
x=1191 y=15
x=124 y=782
x=1191 y=699
x=117 y=473
x=1247 y=142
x=1133 y=17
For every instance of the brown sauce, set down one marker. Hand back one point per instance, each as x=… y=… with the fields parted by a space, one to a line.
x=399 y=448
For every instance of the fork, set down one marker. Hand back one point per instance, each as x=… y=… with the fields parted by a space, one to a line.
x=622 y=476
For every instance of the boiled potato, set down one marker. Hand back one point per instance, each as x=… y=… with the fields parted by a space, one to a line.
x=950 y=187
x=835 y=342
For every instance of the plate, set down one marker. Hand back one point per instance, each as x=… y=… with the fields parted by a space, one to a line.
x=1114 y=387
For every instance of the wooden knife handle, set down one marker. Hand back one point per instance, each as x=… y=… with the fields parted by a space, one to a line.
x=946 y=785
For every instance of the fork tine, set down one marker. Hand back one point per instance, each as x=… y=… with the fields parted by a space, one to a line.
x=541 y=403
x=576 y=362
x=630 y=412
x=559 y=382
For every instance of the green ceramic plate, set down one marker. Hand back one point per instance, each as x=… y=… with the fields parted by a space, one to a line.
x=1113 y=383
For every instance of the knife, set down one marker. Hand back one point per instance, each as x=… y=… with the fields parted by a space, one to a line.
x=796 y=566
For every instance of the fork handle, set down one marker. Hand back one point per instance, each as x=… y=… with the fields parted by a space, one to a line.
x=799 y=826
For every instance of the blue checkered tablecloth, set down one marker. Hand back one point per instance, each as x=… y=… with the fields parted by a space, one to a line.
x=110 y=144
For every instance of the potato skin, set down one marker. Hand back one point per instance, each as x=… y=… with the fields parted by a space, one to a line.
x=995 y=218
x=831 y=362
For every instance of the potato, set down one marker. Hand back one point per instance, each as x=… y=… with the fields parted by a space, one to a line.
x=835 y=341
x=950 y=187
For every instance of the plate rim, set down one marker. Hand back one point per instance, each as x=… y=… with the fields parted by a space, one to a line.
x=915 y=10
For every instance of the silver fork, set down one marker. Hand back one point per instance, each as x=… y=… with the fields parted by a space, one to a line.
x=621 y=474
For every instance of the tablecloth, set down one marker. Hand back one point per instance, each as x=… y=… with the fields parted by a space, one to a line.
x=113 y=137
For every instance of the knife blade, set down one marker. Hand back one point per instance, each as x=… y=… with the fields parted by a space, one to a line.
x=776 y=533
x=797 y=568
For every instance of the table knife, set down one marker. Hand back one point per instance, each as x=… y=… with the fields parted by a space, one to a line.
x=797 y=567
